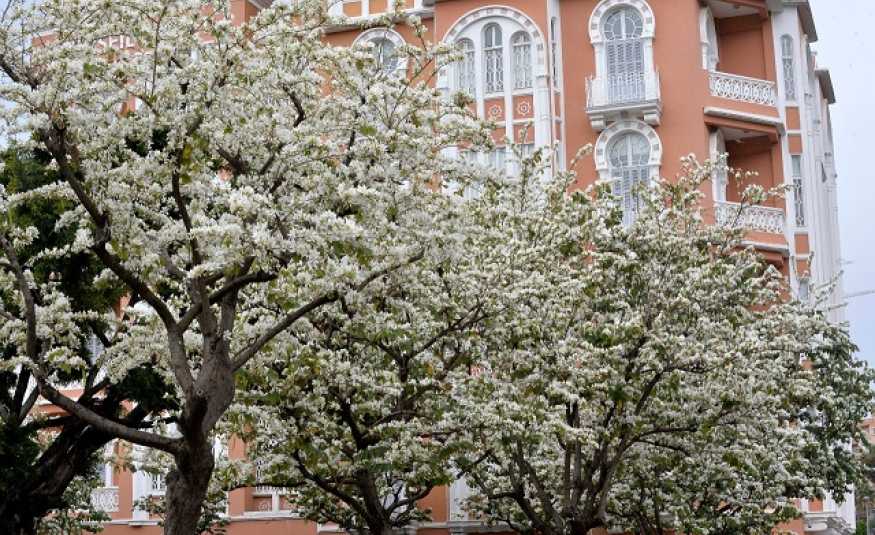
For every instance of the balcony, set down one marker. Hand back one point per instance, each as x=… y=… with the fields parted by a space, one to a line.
x=751 y=218
x=742 y=89
x=610 y=98
x=105 y=499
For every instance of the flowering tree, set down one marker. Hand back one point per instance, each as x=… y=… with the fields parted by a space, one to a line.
x=232 y=176
x=357 y=416
x=49 y=459
x=655 y=376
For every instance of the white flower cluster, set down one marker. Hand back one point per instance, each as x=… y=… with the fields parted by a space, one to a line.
x=271 y=207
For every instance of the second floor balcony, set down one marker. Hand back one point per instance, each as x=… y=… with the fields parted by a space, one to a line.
x=750 y=218
x=742 y=88
x=624 y=95
x=105 y=499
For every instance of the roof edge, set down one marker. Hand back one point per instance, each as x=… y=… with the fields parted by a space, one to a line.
x=826 y=87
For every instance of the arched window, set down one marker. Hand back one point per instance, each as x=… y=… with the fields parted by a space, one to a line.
x=629 y=156
x=385 y=55
x=789 y=69
x=623 y=29
x=465 y=68
x=522 y=60
x=493 y=59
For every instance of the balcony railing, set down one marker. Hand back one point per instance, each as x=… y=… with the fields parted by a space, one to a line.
x=758 y=218
x=611 y=98
x=105 y=499
x=265 y=490
x=622 y=89
x=742 y=88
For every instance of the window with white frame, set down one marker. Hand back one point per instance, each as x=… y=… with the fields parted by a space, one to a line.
x=798 y=193
x=789 y=68
x=554 y=50
x=497 y=158
x=466 y=75
x=493 y=59
x=500 y=59
x=385 y=55
x=385 y=46
x=521 y=45
x=804 y=290
x=624 y=54
x=629 y=157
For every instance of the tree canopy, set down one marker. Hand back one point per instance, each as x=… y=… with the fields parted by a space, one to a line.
x=301 y=258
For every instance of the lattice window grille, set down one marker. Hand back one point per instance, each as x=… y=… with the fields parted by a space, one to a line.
x=522 y=60
x=465 y=68
x=625 y=56
x=629 y=158
x=493 y=57
x=798 y=192
x=789 y=68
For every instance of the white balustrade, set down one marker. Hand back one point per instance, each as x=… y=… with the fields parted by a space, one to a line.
x=617 y=90
x=263 y=490
x=742 y=88
x=105 y=499
x=760 y=218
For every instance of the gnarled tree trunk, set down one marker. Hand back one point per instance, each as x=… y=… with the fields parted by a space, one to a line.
x=187 y=486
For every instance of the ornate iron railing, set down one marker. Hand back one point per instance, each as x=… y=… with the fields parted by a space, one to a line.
x=761 y=218
x=742 y=88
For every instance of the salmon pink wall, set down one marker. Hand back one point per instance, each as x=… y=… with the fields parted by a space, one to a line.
x=447 y=13
x=347 y=37
x=684 y=83
x=752 y=154
x=742 y=51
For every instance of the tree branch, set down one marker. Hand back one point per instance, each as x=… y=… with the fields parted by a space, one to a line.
x=116 y=429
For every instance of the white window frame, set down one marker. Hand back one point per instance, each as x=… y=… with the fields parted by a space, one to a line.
x=611 y=133
x=465 y=70
x=599 y=16
x=492 y=48
x=376 y=34
x=625 y=180
x=798 y=176
x=555 y=61
x=788 y=67
x=521 y=60
x=471 y=26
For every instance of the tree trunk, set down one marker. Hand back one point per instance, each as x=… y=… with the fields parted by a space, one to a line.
x=187 y=486
x=16 y=522
x=42 y=489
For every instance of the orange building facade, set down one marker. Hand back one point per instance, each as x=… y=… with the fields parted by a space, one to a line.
x=645 y=82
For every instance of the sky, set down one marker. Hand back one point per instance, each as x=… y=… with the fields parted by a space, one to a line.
x=847 y=48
